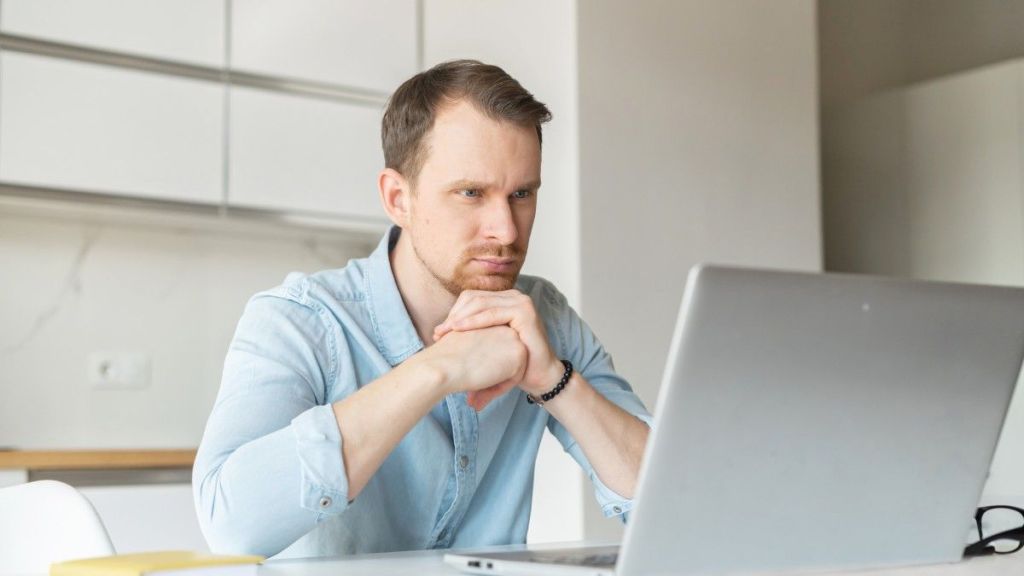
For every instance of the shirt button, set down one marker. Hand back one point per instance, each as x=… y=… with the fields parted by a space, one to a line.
x=463 y=461
x=617 y=510
x=325 y=502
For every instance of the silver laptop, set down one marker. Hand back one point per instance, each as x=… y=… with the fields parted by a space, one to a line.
x=812 y=421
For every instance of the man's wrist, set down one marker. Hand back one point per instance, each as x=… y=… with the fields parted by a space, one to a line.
x=435 y=372
x=554 y=376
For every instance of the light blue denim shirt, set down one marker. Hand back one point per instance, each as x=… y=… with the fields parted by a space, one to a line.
x=269 y=476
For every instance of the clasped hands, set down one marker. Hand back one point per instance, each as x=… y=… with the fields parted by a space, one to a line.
x=495 y=341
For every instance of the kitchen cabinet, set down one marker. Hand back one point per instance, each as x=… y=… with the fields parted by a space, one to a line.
x=143 y=497
x=369 y=45
x=302 y=154
x=182 y=30
x=82 y=122
x=94 y=128
x=142 y=518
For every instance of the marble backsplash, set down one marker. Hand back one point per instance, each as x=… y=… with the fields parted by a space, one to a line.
x=70 y=288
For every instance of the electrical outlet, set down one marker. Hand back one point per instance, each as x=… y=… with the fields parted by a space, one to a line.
x=110 y=370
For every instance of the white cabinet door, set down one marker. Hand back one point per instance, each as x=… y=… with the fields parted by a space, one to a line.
x=304 y=154
x=146 y=518
x=101 y=129
x=186 y=30
x=354 y=43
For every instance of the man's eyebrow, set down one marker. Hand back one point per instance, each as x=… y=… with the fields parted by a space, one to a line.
x=464 y=184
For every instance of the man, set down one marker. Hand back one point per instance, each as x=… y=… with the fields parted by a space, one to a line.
x=399 y=402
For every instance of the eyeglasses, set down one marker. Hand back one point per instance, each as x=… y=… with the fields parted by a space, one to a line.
x=1008 y=541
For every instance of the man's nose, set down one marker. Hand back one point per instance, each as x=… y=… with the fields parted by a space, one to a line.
x=499 y=223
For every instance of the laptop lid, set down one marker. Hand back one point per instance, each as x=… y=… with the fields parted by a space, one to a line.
x=822 y=421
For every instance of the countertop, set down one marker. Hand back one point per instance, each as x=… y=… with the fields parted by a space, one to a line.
x=96 y=459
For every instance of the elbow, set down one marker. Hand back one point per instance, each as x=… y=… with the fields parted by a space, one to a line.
x=228 y=531
x=233 y=533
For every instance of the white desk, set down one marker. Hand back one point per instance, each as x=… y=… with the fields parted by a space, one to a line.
x=430 y=563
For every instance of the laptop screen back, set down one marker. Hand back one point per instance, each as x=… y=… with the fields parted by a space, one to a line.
x=823 y=421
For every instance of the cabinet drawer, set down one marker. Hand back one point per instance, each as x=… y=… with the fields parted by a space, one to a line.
x=94 y=128
x=184 y=30
x=354 y=43
x=296 y=153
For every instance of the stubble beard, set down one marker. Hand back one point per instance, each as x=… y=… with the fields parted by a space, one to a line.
x=461 y=279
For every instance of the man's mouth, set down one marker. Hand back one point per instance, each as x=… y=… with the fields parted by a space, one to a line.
x=494 y=264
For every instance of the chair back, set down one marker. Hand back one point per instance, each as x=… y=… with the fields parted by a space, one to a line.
x=45 y=522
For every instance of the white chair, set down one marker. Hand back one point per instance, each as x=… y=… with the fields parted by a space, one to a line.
x=44 y=522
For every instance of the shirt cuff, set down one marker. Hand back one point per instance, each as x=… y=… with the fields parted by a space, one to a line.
x=324 y=483
x=612 y=504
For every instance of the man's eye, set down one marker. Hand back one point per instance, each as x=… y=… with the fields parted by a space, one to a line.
x=522 y=194
x=470 y=193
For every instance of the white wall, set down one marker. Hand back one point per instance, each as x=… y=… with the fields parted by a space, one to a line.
x=535 y=42
x=698 y=142
x=72 y=287
x=869 y=48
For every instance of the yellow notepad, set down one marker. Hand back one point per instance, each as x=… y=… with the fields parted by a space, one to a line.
x=176 y=563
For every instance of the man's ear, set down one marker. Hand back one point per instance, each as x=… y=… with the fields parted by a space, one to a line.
x=395 y=195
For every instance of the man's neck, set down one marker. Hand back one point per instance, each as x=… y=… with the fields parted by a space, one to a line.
x=426 y=300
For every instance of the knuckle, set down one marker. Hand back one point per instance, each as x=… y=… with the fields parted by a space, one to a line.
x=520 y=352
x=526 y=302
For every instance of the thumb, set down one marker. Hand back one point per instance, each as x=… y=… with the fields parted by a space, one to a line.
x=482 y=398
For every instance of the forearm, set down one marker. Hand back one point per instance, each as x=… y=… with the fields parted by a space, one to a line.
x=612 y=439
x=375 y=419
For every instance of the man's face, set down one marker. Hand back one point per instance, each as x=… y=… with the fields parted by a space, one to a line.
x=474 y=200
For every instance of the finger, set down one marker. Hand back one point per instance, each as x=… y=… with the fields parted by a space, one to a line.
x=481 y=398
x=441 y=329
x=485 y=319
x=474 y=401
x=439 y=332
x=474 y=306
x=470 y=301
x=465 y=297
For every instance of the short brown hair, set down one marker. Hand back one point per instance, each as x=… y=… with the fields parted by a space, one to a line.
x=413 y=107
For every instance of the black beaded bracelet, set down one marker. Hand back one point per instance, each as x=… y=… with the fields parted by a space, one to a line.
x=547 y=396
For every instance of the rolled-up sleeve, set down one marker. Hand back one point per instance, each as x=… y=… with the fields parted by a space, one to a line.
x=582 y=348
x=269 y=467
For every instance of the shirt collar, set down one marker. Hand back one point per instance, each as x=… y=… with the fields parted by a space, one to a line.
x=396 y=335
